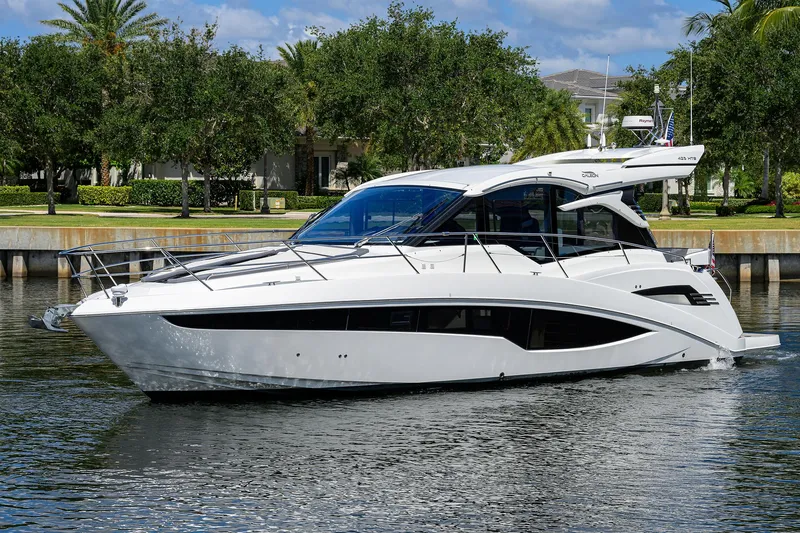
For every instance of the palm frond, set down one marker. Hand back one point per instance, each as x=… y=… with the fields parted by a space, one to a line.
x=775 y=20
x=697 y=24
x=107 y=23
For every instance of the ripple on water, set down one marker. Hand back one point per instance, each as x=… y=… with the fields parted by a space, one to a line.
x=684 y=451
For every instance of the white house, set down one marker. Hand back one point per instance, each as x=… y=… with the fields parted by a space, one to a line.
x=588 y=88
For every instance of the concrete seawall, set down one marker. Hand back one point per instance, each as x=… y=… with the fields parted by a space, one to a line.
x=743 y=255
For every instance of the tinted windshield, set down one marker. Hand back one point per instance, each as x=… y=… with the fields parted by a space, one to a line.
x=380 y=210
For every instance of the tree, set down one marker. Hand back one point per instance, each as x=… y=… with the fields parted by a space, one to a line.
x=728 y=94
x=108 y=25
x=55 y=101
x=556 y=125
x=424 y=92
x=247 y=115
x=174 y=107
x=299 y=58
x=10 y=56
x=764 y=17
x=211 y=111
x=779 y=77
x=365 y=167
x=700 y=23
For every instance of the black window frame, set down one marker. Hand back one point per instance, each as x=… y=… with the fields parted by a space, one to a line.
x=530 y=328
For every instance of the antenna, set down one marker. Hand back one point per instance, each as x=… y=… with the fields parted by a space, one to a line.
x=691 y=97
x=605 y=90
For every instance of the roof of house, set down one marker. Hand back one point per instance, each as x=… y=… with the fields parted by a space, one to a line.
x=582 y=82
x=587 y=171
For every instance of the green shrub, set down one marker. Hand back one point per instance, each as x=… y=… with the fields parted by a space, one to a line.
x=23 y=198
x=98 y=195
x=770 y=209
x=317 y=202
x=790 y=185
x=650 y=202
x=725 y=210
x=246 y=198
x=14 y=188
x=166 y=193
x=224 y=191
x=704 y=206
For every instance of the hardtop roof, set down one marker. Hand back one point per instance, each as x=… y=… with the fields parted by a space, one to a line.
x=588 y=171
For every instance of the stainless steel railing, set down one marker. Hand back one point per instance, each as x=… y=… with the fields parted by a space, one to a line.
x=183 y=253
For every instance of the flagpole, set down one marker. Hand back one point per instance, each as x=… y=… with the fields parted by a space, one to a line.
x=605 y=90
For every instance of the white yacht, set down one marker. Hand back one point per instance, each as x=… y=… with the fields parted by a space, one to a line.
x=450 y=277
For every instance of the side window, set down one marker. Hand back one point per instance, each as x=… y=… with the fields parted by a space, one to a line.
x=524 y=209
x=593 y=221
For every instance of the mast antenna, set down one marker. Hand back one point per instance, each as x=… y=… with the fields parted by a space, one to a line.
x=691 y=97
x=603 y=121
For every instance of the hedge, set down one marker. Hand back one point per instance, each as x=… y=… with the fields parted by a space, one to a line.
x=317 y=202
x=704 y=206
x=246 y=198
x=651 y=203
x=767 y=209
x=99 y=195
x=165 y=193
x=23 y=198
x=14 y=188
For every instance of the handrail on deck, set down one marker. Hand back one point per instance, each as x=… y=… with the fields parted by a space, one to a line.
x=208 y=250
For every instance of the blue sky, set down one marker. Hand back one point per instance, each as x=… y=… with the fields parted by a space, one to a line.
x=561 y=34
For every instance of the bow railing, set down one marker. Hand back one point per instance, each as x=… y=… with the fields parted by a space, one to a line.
x=200 y=255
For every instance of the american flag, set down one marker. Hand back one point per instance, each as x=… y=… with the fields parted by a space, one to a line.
x=712 y=259
x=670 y=135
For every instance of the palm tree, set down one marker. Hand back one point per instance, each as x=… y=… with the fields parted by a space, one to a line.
x=297 y=59
x=109 y=25
x=768 y=15
x=700 y=23
x=556 y=125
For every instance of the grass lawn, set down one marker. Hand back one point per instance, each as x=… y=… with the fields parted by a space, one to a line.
x=130 y=209
x=91 y=221
x=741 y=222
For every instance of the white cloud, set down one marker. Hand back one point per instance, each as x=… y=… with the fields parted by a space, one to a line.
x=665 y=32
x=237 y=23
x=560 y=63
x=29 y=12
x=567 y=13
x=303 y=19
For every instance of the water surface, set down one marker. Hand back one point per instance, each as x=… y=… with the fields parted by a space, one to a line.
x=705 y=450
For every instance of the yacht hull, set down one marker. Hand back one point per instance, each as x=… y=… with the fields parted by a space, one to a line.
x=166 y=360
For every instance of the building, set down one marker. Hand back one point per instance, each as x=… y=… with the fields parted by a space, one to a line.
x=282 y=171
x=588 y=88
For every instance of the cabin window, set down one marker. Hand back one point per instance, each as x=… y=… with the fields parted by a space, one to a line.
x=382 y=319
x=531 y=329
x=593 y=221
x=524 y=209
